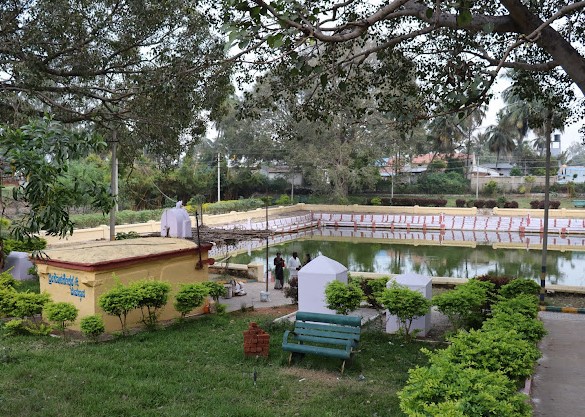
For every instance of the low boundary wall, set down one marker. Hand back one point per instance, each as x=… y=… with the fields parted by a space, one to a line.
x=573 y=220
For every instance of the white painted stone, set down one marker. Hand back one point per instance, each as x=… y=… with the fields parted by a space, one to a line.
x=313 y=278
x=20 y=264
x=417 y=282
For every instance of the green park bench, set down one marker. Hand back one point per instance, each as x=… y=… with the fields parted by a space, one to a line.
x=579 y=203
x=320 y=334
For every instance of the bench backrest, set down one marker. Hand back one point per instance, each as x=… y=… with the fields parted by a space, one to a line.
x=329 y=328
x=329 y=318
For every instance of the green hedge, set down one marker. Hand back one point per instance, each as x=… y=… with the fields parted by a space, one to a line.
x=84 y=221
x=478 y=374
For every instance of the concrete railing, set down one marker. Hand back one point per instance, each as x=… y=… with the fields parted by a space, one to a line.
x=152 y=226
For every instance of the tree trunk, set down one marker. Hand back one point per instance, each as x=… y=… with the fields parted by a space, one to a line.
x=550 y=40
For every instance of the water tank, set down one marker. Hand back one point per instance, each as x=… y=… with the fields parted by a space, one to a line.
x=175 y=222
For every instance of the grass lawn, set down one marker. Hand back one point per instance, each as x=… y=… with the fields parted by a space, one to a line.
x=197 y=368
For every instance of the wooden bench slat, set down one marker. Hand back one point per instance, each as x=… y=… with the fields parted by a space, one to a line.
x=329 y=318
x=330 y=334
x=318 y=350
x=321 y=339
x=328 y=328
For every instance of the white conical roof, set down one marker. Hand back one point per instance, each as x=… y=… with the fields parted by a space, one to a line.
x=411 y=278
x=323 y=265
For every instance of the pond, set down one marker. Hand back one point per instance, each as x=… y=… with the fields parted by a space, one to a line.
x=428 y=256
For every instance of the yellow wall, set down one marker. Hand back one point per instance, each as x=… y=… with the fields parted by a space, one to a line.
x=175 y=270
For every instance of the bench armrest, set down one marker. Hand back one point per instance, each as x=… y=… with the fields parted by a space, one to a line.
x=285 y=337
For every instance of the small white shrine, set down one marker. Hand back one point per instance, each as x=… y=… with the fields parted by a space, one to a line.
x=313 y=278
x=416 y=282
x=175 y=222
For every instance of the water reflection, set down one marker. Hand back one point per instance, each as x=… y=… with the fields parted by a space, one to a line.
x=430 y=255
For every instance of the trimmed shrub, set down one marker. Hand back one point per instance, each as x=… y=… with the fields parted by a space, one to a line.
x=26 y=308
x=497 y=350
x=376 y=201
x=479 y=203
x=7 y=281
x=343 y=298
x=448 y=389
x=28 y=304
x=418 y=201
x=6 y=301
x=62 y=314
x=460 y=202
x=151 y=297
x=92 y=326
x=215 y=290
x=405 y=304
x=528 y=328
x=511 y=204
x=119 y=301
x=189 y=297
x=523 y=304
x=539 y=204
x=491 y=204
x=465 y=305
x=520 y=286
x=27 y=245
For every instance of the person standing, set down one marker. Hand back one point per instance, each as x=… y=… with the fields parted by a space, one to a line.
x=294 y=264
x=307 y=259
x=278 y=272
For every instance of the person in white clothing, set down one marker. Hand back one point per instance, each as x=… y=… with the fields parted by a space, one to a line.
x=294 y=264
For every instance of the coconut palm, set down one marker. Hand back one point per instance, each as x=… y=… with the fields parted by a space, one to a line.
x=500 y=140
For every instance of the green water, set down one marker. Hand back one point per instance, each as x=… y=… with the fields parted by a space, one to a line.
x=564 y=268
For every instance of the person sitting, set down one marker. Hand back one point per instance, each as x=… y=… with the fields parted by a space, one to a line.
x=237 y=287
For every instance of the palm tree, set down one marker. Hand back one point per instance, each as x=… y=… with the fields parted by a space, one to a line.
x=499 y=140
x=445 y=133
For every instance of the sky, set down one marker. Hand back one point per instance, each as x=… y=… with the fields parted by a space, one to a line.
x=568 y=137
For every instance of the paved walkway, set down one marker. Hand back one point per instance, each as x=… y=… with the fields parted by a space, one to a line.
x=276 y=298
x=558 y=386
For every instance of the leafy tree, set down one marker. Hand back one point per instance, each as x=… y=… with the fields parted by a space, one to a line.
x=500 y=140
x=145 y=69
x=39 y=152
x=471 y=43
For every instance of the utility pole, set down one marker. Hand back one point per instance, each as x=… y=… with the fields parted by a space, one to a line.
x=218 y=180
x=548 y=133
x=114 y=185
x=477 y=179
x=292 y=188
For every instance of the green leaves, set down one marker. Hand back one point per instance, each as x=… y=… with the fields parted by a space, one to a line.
x=343 y=298
x=62 y=314
x=275 y=41
x=406 y=304
x=189 y=297
x=40 y=152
